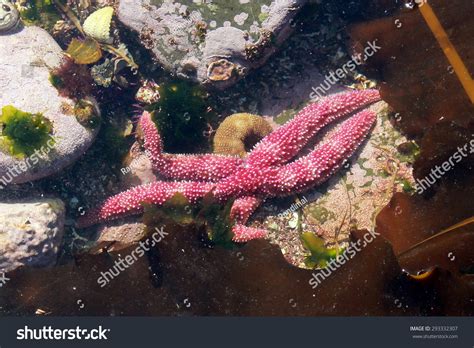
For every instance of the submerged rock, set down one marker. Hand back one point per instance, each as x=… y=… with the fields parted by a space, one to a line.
x=25 y=85
x=213 y=43
x=30 y=233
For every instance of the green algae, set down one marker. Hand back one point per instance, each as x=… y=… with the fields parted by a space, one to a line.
x=320 y=255
x=407 y=186
x=182 y=116
x=56 y=81
x=208 y=215
x=116 y=143
x=408 y=152
x=41 y=13
x=369 y=172
x=23 y=132
x=285 y=116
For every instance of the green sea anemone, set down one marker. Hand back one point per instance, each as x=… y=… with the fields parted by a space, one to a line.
x=22 y=132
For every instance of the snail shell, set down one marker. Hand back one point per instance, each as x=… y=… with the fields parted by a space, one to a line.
x=9 y=16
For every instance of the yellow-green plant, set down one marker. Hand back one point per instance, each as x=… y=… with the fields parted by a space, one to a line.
x=22 y=132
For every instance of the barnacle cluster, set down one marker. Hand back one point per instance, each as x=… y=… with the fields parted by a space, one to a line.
x=256 y=51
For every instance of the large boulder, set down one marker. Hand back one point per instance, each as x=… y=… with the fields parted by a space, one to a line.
x=29 y=54
x=30 y=233
x=212 y=43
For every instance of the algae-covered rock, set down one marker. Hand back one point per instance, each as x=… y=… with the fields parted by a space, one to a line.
x=30 y=233
x=25 y=85
x=215 y=43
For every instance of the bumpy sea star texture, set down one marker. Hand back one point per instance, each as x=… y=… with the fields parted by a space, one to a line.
x=132 y=201
x=265 y=172
x=206 y=167
x=323 y=161
x=284 y=143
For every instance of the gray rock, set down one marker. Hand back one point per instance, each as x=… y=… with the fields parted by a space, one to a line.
x=24 y=83
x=30 y=233
x=119 y=235
x=214 y=43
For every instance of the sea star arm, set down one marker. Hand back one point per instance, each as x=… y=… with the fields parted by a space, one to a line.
x=322 y=162
x=207 y=167
x=243 y=207
x=241 y=210
x=285 y=143
x=244 y=234
x=305 y=172
x=130 y=202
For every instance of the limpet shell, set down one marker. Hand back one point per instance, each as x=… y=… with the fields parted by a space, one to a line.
x=97 y=25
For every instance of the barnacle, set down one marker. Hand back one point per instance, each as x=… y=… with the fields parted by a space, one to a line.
x=256 y=51
x=238 y=133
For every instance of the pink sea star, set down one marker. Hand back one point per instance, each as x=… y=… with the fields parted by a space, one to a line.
x=266 y=172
